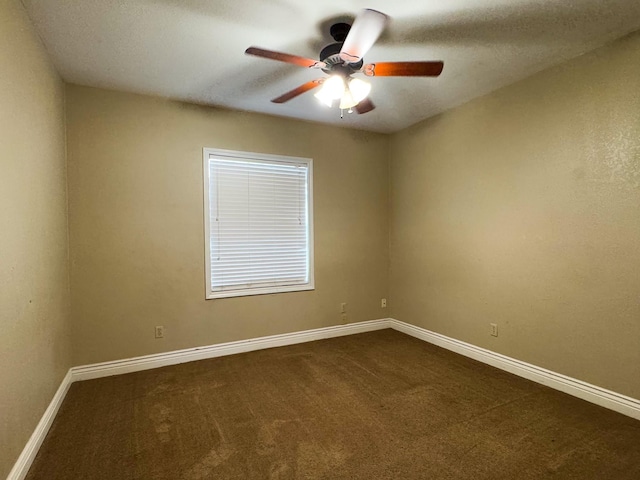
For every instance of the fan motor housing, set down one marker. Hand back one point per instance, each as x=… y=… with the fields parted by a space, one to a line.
x=331 y=56
x=331 y=53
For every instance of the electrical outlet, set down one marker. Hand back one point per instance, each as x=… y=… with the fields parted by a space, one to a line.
x=159 y=331
x=344 y=318
x=343 y=308
x=494 y=329
x=383 y=303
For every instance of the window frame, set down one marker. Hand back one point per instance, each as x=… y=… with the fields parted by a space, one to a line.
x=272 y=289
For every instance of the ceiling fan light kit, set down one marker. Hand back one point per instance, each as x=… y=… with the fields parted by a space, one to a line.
x=343 y=59
x=349 y=92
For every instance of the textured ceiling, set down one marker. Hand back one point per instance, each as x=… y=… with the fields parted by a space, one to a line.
x=193 y=50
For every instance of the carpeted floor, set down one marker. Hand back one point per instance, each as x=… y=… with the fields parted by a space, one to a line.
x=378 y=405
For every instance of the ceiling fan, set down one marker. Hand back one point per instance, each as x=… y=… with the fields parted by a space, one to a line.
x=343 y=59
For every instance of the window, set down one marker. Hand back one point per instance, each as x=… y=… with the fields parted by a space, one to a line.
x=258 y=223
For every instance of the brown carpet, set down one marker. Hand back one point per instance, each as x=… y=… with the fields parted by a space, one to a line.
x=378 y=405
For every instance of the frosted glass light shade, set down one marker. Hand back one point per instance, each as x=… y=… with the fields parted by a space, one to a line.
x=347 y=100
x=359 y=89
x=332 y=89
x=350 y=92
x=355 y=91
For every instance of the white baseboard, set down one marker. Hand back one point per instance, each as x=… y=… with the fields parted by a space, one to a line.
x=118 y=367
x=591 y=393
x=605 y=398
x=147 y=362
x=22 y=465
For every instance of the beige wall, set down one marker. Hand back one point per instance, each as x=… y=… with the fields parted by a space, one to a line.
x=34 y=329
x=523 y=208
x=136 y=224
x=519 y=208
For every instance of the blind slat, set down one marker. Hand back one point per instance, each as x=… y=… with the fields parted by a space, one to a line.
x=259 y=228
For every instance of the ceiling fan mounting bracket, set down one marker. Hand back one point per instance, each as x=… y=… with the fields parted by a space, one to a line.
x=339 y=31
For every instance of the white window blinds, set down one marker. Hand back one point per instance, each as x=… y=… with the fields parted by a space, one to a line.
x=259 y=226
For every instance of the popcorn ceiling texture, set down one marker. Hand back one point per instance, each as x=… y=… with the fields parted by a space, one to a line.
x=193 y=49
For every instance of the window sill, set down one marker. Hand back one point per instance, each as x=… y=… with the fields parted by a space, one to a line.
x=246 y=292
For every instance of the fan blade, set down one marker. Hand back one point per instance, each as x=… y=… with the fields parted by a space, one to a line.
x=364 y=106
x=403 y=69
x=364 y=32
x=305 y=87
x=285 y=57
